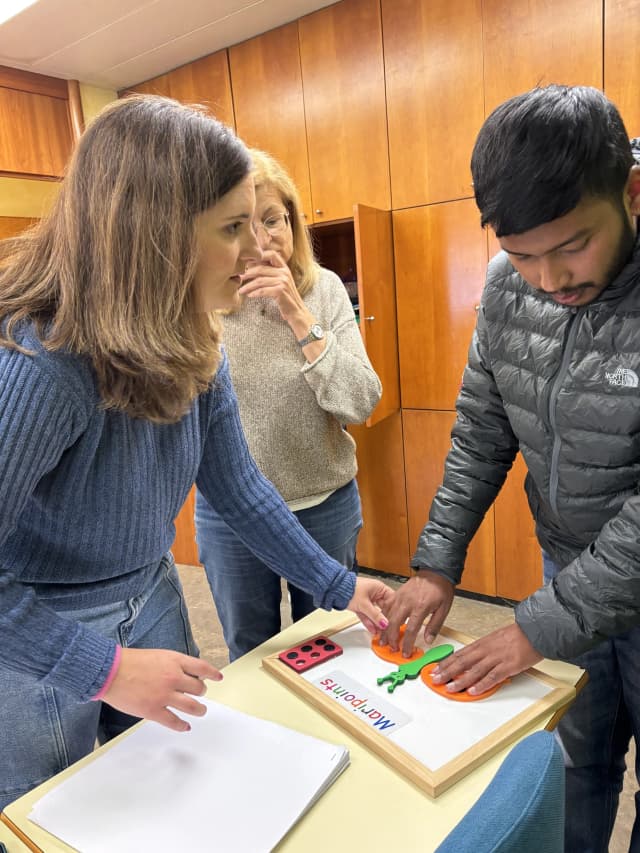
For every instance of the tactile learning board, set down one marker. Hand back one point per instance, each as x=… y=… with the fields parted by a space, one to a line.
x=431 y=740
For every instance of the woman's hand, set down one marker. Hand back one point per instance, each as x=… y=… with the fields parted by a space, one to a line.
x=370 y=601
x=271 y=278
x=149 y=680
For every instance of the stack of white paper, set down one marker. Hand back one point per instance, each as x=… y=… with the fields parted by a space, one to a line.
x=234 y=784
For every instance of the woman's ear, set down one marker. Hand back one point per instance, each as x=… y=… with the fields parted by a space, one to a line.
x=633 y=190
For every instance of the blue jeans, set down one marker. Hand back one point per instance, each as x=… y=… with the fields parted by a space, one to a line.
x=44 y=730
x=594 y=735
x=246 y=592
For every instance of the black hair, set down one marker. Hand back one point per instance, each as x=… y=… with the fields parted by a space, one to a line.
x=539 y=153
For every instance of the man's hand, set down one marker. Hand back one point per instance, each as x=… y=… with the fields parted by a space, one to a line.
x=371 y=600
x=488 y=661
x=427 y=594
x=148 y=680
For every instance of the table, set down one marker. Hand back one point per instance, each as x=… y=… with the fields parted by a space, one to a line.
x=369 y=807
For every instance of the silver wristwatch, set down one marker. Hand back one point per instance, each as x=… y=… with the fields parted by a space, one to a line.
x=316 y=333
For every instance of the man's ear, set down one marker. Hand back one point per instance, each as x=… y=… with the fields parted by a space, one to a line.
x=632 y=190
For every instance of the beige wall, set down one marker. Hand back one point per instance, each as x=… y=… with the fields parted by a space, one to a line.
x=32 y=197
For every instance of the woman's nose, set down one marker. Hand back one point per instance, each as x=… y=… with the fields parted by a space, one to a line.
x=262 y=235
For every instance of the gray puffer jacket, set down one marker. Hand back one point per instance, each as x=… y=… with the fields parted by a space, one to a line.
x=561 y=385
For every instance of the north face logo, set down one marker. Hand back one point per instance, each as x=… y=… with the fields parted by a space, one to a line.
x=623 y=376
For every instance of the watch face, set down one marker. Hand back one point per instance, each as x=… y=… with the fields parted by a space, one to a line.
x=317 y=331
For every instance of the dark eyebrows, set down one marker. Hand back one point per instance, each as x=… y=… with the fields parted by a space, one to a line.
x=237 y=216
x=583 y=232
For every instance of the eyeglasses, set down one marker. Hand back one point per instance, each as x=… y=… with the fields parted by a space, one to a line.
x=274 y=224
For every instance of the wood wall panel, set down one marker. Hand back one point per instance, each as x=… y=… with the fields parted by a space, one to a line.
x=518 y=555
x=37 y=84
x=345 y=108
x=441 y=258
x=205 y=81
x=10 y=226
x=427 y=439
x=37 y=140
x=435 y=98
x=274 y=123
x=184 y=547
x=622 y=59
x=536 y=42
x=383 y=543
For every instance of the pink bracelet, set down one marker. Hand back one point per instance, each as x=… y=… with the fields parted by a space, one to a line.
x=110 y=677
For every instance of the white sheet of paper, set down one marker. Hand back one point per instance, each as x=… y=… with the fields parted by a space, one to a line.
x=234 y=783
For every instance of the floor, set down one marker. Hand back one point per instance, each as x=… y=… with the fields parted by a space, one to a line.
x=473 y=617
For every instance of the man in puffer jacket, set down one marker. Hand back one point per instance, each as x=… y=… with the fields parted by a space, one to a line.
x=554 y=371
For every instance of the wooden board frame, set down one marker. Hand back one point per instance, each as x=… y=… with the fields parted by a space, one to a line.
x=433 y=782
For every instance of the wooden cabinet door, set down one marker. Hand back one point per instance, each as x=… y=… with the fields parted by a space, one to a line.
x=440 y=259
x=531 y=43
x=35 y=133
x=377 y=301
x=427 y=439
x=622 y=59
x=205 y=81
x=383 y=543
x=518 y=555
x=266 y=81
x=344 y=100
x=435 y=98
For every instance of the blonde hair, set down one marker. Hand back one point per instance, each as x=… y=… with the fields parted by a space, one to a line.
x=109 y=272
x=269 y=173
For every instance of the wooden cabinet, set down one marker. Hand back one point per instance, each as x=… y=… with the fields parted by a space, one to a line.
x=344 y=99
x=518 y=555
x=536 y=42
x=427 y=439
x=383 y=543
x=364 y=247
x=622 y=59
x=441 y=259
x=184 y=547
x=205 y=81
x=35 y=132
x=275 y=121
x=435 y=98
x=10 y=226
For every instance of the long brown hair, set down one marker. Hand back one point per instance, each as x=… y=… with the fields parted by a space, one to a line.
x=109 y=272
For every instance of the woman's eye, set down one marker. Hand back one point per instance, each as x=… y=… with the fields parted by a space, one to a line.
x=233 y=228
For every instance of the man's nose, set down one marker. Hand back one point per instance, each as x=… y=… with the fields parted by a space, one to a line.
x=552 y=275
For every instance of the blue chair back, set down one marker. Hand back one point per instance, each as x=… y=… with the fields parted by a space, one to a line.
x=522 y=809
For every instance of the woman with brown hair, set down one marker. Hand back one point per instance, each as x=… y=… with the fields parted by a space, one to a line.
x=301 y=373
x=114 y=397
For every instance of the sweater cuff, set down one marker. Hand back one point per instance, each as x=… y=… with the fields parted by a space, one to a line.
x=339 y=595
x=85 y=665
x=110 y=677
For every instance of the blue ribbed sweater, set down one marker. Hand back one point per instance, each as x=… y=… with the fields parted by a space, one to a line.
x=87 y=503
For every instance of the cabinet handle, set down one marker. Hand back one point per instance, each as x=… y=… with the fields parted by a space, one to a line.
x=476 y=308
x=318 y=212
x=370 y=319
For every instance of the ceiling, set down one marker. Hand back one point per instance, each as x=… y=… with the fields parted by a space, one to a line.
x=115 y=43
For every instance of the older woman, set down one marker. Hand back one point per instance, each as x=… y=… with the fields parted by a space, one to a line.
x=300 y=372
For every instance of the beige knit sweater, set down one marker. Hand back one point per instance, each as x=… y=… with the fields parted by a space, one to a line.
x=292 y=411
